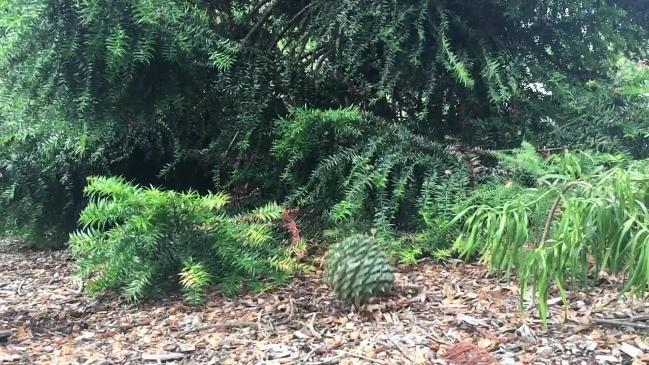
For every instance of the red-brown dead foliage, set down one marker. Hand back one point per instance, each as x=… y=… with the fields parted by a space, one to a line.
x=466 y=353
x=288 y=218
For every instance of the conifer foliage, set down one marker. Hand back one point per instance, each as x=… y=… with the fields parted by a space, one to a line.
x=186 y=94
x=42 y=175
x=141 y=240
x=369 y=172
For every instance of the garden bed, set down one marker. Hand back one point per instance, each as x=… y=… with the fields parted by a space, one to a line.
x=45 y=318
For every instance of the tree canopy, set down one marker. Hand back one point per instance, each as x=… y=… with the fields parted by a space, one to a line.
x=203 y=94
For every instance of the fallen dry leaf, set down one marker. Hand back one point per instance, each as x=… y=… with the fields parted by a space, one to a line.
x=527 y=358
x=22 y=333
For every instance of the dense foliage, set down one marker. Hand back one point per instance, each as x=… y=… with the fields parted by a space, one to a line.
x=42 y=175
x=143 y=239
x=187 y=94
x=388 y=116
x=581 y=208
x=370 y=172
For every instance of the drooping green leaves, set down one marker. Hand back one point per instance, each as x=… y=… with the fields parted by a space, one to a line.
x=567 y=231
x=363 y=171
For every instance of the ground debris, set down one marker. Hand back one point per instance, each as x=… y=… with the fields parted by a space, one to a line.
x=162 y=357
x=4 y=335
x=436 y=311
x=466 y=353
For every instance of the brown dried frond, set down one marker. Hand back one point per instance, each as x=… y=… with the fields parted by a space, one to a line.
x=288 y=219
x=470 y=156
x=466 y=353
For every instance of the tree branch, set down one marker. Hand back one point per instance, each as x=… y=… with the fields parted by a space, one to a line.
x=261 y=21
x=617 y=322
x=258 y=6
x=291 y=22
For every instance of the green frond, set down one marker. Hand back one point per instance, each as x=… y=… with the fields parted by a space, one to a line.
x=136 y=238
x=267 y=213
x=451 y=61
x=194 y=278
x=215 y=202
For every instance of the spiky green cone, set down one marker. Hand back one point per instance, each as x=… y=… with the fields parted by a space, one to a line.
x=356 y=269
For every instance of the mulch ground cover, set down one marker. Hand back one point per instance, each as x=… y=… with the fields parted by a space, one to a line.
x=451 y=313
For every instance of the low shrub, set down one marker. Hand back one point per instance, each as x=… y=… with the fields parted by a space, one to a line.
x=142 y=240
x=589 y=214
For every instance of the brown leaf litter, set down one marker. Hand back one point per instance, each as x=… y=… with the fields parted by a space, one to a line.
x=441 y=314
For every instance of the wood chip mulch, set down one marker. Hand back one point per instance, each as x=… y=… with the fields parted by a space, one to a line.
x=440 y=314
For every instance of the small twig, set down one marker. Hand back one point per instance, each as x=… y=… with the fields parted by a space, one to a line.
x=639 y=318
x=308 y=356
x=130 y=326
x=20 y=286
x=230 y=343
x=259 y=321
x=71 y=300
x=259 y=22
x=311 y=328
x=271 y=324
x=4 y=335
x=163 y=357
x=617 y=322
x=329 y=360
x=219 y=325
x=227 y=150
x=359 y=356
x=401 y=350
x=291 y=22
x=435 y=338
x=80 y=288
x=291 y=312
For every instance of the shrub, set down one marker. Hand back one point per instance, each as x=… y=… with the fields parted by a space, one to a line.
x=193 y=88
x=145 y=239
x=42 y=175
x=609 y=115
x=364 y=172
x=552 y=234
